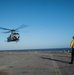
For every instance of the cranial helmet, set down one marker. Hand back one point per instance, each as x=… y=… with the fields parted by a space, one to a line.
x=73 y=37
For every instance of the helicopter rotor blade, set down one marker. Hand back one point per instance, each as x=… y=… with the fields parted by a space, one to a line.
x=7 y=32
x=22 y=26
x=4 y=28
x=13 y=30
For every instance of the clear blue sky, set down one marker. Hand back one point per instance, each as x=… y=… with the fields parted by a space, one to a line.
x=51 y=23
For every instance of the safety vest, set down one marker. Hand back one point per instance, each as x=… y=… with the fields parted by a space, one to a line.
x=72 y=44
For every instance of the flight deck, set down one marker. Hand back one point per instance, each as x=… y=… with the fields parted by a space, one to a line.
x=36 y=63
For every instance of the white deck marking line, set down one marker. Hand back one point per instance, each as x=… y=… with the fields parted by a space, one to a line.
x=57 y=71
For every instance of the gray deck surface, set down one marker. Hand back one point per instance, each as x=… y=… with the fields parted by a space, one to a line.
x=35 y=63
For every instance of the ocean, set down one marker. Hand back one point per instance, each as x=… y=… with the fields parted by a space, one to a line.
x=27 y=50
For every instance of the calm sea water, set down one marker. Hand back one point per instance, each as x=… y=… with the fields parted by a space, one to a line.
x=26 y=50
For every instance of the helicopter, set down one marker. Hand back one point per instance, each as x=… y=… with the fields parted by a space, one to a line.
x=14 y=36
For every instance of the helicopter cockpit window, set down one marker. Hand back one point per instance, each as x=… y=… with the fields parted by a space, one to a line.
x=16 y=34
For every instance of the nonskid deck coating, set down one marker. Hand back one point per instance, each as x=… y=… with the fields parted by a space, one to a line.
x=35 y=63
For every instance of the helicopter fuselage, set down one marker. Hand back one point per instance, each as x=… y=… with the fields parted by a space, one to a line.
x=13 y=37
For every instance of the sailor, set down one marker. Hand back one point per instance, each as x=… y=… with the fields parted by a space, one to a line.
x=72 y=52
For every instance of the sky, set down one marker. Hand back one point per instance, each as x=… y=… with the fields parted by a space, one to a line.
x=51 y=23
